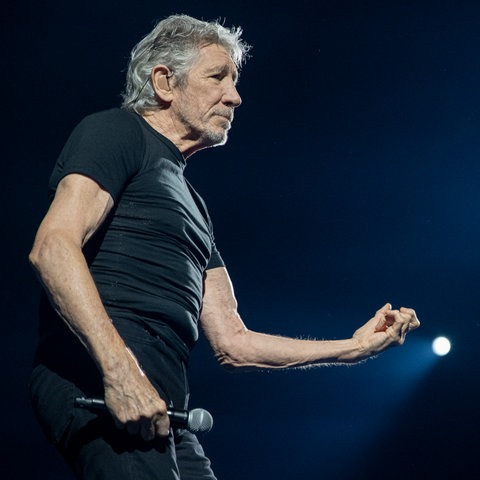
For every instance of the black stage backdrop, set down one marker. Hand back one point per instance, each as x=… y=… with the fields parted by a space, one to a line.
x=350 y=179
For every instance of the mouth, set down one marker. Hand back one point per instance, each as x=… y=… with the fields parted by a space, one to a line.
x=226 y=120
x=226 y=116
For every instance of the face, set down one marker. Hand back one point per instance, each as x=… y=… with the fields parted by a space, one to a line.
x=203 y=107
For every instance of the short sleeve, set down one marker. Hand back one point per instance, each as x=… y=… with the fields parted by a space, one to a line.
x=216 y=259
x=107 y=147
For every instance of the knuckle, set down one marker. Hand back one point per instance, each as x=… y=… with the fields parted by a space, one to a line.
x=162 y=429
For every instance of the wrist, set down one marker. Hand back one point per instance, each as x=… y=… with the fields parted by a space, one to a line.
x=114 y=359
x=351 y=351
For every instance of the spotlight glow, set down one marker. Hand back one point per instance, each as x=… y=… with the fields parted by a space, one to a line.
x=441 y=346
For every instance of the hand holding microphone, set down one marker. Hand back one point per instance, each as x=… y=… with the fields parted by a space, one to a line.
x=196 y=421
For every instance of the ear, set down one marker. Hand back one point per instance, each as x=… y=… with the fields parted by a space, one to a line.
x=160 y=83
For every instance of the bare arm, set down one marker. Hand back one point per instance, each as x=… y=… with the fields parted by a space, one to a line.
x=237 y=347
x=79 y=208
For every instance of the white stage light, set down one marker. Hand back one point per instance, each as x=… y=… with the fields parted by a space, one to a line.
x=441 y=346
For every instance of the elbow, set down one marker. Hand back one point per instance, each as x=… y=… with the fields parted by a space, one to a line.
x=40 y=254
x=231 y=365
x=228 y=363
x=231 y=355
x=45 y=252
x=35 y=258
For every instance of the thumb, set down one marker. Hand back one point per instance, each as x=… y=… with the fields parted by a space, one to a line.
x=382 y=321
x=386 y=308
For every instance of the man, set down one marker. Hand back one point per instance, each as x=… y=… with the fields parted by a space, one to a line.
x=128 y=261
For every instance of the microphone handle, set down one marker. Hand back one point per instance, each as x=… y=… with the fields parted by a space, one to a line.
x=180 y=417
x=195 y=421
x=91 y=403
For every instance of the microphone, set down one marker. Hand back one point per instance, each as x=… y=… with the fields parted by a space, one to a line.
x=195 y=421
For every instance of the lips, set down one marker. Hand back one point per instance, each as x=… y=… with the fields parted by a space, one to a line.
x=227 y=116
x=226 y=121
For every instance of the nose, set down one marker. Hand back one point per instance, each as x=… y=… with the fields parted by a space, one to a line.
x=231 y=96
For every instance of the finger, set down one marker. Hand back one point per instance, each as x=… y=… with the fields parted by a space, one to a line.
x=132 y=428
x=414 y=322
x=398 y=327
x=147 y=429
x=409 y=319
x=381 y=325
x=385 y=309
x=162 y=426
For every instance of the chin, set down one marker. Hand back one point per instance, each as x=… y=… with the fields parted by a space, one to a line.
x=216 y=139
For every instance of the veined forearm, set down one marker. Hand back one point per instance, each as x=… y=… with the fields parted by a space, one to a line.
x=253 y=350
x=62 y=269
x=237 y=347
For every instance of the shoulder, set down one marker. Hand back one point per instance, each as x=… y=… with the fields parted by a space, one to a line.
x=113 y=119
x=108 y=128
x=112 y=114
x=107 y=146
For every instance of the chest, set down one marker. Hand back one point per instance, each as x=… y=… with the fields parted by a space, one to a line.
x=159 y=204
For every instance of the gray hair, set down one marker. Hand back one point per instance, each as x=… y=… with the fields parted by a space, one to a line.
x=175 y=42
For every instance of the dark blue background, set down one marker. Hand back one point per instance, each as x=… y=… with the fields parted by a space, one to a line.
x=350 y=179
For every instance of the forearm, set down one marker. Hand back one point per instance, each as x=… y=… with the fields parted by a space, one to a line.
x=63 y=271
x=252 y=350
x=79 y=208
x=237 y=347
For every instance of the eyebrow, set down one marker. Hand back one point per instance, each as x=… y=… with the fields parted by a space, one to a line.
x=223 y=69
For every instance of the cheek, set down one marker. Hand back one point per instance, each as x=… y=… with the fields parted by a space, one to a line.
x=198 y=107
x=206 y=99
x=195 y=107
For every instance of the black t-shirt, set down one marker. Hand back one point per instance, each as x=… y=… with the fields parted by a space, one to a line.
x=149 y=257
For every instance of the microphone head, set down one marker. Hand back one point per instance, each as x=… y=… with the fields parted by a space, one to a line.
x=199 y=420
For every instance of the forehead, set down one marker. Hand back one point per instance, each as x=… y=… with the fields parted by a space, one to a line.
x=214 y=57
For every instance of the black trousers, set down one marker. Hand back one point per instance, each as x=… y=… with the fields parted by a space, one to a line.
x=89 y=441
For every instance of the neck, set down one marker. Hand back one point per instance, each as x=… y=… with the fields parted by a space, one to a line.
x=161 y=121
